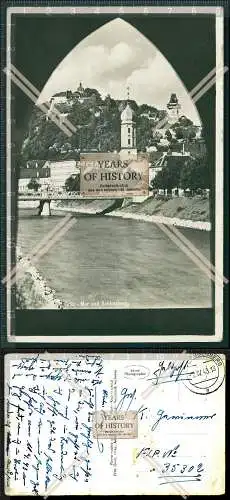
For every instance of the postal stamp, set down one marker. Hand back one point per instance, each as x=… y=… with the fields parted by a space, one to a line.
x=207 y=374
x=115 y=424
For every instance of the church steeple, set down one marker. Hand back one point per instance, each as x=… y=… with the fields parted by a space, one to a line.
x=128 y=131
x=127 y=114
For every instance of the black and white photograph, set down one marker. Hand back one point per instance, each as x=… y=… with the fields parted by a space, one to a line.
x=117 y=202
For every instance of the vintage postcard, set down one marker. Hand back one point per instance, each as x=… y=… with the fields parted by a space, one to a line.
x=115 y=181
x=114 y=424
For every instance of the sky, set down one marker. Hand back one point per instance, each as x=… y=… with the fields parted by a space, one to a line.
x=117 y=56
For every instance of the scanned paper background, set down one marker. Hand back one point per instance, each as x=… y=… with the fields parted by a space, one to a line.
x=50 y=405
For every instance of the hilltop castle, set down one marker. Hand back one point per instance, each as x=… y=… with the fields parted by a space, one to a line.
x=128 y=144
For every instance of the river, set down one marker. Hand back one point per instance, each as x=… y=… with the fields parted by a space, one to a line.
x=110 y=262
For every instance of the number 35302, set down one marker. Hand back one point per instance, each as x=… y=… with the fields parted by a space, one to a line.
x=168 y=467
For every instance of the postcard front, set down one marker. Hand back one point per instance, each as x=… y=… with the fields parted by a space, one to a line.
x=115 y=183
x=112 y=424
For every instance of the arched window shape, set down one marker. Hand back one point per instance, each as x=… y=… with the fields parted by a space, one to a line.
x=112 y=58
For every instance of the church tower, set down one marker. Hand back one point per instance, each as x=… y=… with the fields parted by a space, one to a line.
x=173 y=108
x=128 y=133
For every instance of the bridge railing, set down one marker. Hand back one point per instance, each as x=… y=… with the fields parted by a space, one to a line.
x=49 y=195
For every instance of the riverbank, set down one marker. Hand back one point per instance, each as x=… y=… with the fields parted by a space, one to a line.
x=32 y=291
x=181 y=212
x=169 y=221
x=90 y=207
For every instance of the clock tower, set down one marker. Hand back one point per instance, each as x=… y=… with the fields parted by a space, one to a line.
x=173 y=108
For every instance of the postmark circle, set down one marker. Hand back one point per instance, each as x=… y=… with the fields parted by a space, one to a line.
x=207 y=373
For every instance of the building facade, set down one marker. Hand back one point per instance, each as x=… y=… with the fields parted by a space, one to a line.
x=54 y=173
x=60 y=171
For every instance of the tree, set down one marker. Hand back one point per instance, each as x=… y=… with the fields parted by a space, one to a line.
x=153 y=157
x=73 y=183
x=161 y=114
x=191 y=133
x=144 y=108
x=33 y=184
x=69 y=94
x=179 y=132
x=168 y=135
x=46 y=141
x=184 y=121
x=168 y=178
x=195 y=175
x=88 y=92
x=144 y=133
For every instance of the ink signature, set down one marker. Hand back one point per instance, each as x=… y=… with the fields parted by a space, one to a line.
x=171 y=372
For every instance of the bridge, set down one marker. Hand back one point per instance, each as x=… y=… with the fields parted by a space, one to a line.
x=45 y=199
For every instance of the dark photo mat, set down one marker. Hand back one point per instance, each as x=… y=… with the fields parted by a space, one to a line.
x=26 y=32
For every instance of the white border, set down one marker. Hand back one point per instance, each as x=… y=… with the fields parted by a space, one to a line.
x=8 y=176
x=219 y=14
